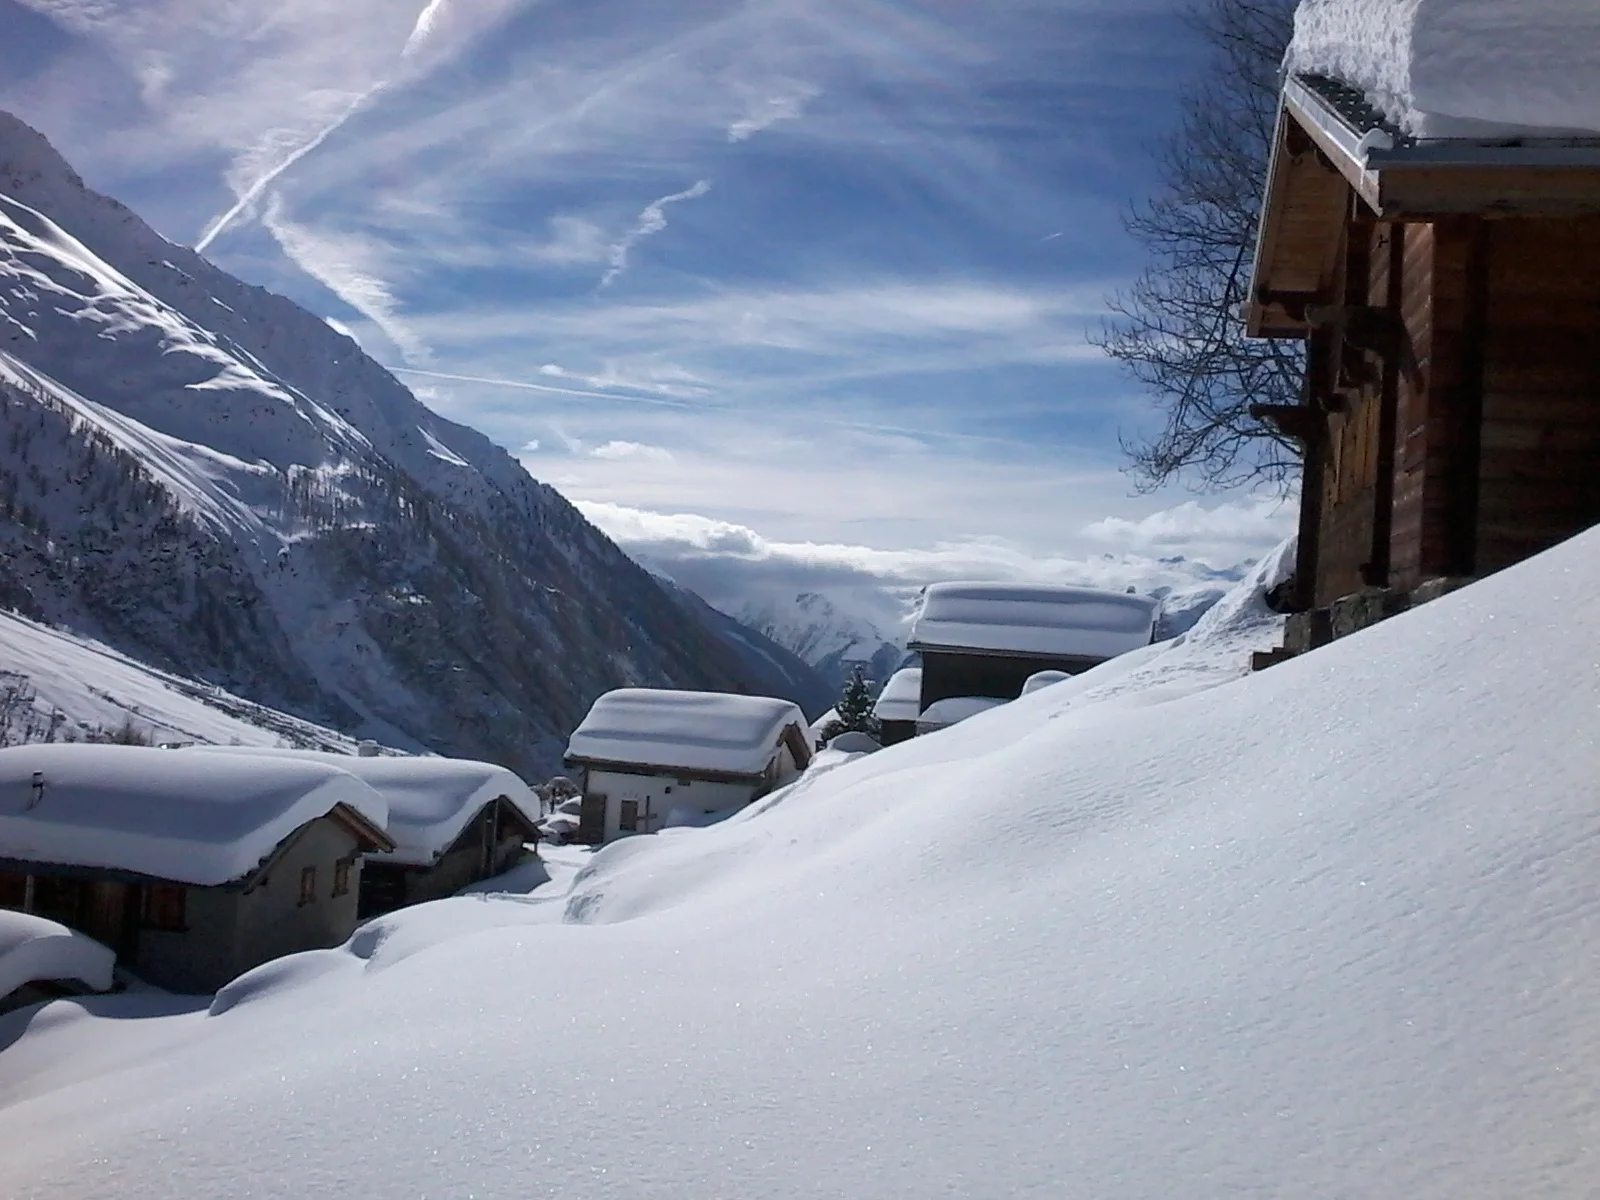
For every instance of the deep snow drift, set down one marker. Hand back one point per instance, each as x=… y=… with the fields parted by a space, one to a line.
x=1328 y=930
x=1460 y=68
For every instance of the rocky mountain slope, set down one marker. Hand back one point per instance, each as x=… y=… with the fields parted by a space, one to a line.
x=208 y=477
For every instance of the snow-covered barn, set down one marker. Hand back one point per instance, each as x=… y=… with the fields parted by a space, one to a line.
x=899 y=705
x=654 y=757
x=1430 y=230
x=191 y=867
x=454 y=821
x=986 y=639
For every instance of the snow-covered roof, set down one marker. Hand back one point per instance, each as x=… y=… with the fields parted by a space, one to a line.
x=694 y=731
x=1459 y=68
x=1042 y=679
x=1052 y=621
x=901 y=698
x=955 y=709
x=33 y=948
x=431 y=800
x=194 y=818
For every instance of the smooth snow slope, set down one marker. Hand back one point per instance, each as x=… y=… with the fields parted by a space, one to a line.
x=1329 y=930
x=56 y=684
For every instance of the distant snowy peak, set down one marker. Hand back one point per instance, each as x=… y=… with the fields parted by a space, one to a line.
x=816 y=629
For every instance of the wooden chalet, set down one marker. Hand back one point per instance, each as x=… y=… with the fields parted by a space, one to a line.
x=1448 y=291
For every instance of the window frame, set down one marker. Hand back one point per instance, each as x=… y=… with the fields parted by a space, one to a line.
x=308 y=885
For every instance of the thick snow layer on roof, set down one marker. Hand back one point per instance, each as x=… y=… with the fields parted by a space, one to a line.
x=697 y=731
x=1460 y=68
x=954 y=709
x=431 y=800
x=901 y=698
x=1163 y=929
x=32 y=948
x=194 y=818
x=1032 y=619
x=1042 y=679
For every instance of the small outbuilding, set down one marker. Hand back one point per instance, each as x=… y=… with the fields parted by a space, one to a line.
x=952 y=710
x=1444 y=276
x=454 y=821
x=648 y=758
x=986 y=639
x=899 y=705
x=41 y=959
x=192 y=867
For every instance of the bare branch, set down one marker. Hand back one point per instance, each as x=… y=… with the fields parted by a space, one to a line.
x=1177 y=329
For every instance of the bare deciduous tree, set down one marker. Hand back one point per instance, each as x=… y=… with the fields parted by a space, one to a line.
x=1178 y=329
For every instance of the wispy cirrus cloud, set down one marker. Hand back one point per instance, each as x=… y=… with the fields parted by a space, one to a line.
x=652 y=220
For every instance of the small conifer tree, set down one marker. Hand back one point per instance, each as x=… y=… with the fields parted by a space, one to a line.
x=853 y=713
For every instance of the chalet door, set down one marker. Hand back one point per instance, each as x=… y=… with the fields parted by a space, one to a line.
x=628 y=822
x=592 y=819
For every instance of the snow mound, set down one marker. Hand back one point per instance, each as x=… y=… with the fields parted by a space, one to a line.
x=201 y=819
x=1460 y=68
x=1032 y=619
x=697 y=731
x=32 y=948
x=430 y=799
x=855 y=742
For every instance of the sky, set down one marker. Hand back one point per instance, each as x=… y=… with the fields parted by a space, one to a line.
x=782 y=293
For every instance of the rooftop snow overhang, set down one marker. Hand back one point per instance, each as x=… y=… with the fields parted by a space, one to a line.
x=1333 y=154
x=662 y=770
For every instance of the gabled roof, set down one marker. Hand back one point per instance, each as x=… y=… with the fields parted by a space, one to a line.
x=712 y=732
x=1032 y=620
x=431 y=799
x=901 y=698
x=1333 y=149
x=192 y=818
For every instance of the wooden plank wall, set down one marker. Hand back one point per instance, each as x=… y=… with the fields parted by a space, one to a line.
x=1539 y=471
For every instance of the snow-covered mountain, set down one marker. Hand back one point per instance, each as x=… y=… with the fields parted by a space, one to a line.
x=821 y=632
x=56 y=686
x=206 y=476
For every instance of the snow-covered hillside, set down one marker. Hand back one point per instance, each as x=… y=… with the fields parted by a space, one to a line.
x=212 y=479
x=1159 y=930
x=826 y=634
x=55 y=686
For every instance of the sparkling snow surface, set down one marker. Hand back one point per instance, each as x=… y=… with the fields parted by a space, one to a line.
x=704 y=731
x=1158 y=930
x=901 y=698
x=34 y=948
x=1032 y=619
x=1461 y=68
x=430 y=799
x=202 y=819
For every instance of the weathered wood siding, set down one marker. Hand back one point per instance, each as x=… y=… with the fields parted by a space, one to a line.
x=1539 y=464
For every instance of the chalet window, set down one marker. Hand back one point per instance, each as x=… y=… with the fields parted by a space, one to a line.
x=629 y=821
x=308 y=886
x=166 y=907
x=13 y=891
x=341 y=875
